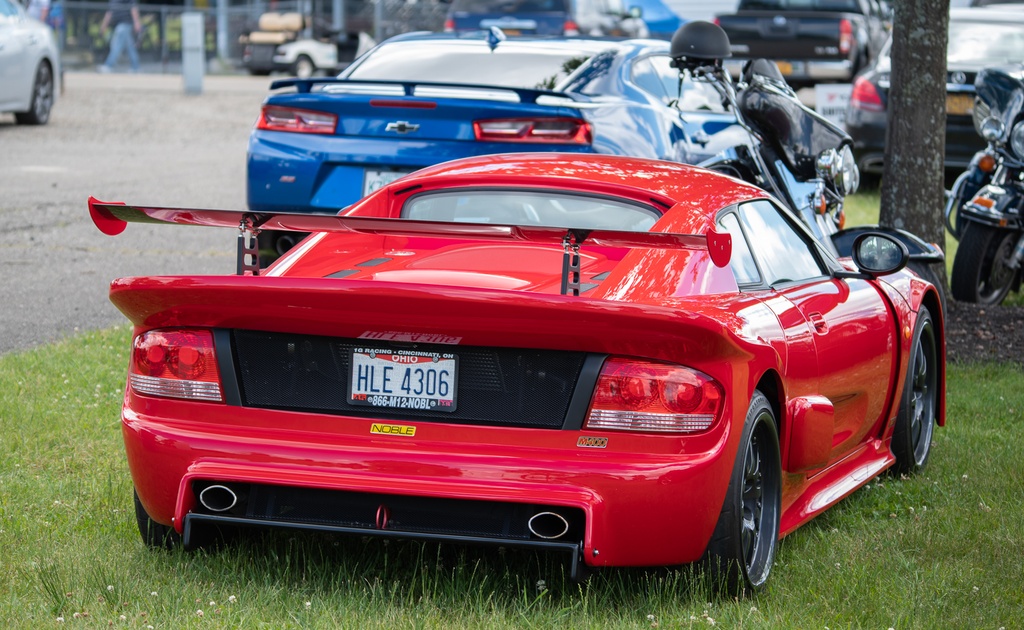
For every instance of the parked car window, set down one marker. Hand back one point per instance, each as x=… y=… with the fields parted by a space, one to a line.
x=851 y=6
x=468 y=64
x=985 y=43
x=530 y=207
x=778 y=246
x=6 y=8
x=695 y=96
x=744 y=269
x=510 y=6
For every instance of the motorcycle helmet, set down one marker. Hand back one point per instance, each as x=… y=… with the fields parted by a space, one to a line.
x=701 y=41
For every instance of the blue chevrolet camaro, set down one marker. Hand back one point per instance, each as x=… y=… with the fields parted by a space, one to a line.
x=420 y=99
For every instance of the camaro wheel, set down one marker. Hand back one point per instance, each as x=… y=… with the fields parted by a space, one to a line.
x=742 y=548
x=912 y=437
x=980 y=271
x=154 y=534
x=42 y=98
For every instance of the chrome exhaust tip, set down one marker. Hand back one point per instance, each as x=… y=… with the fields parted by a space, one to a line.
x=548 y=525
x=218 y=498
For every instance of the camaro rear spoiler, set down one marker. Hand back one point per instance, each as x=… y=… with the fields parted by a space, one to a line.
x=112 y=218
x=526 y=95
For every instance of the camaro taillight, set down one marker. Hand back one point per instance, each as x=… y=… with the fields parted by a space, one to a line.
x=845 y=36
x=276 y=118
x=549 y=130
x=648 y=396
x=865 y=96
x=176 y=363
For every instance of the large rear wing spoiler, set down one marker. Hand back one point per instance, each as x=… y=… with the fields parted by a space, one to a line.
x=113 y=218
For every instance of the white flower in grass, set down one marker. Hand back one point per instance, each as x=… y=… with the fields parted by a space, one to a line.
x=309 y=605
x=153 y=594
x=212 y=603
x=110 y=587
x=199 y=613
x=123 y=618
x=232 y=599
x=60 y=619
x=541 y=586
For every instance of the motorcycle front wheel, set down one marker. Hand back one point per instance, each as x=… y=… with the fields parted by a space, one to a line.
x=980 y=268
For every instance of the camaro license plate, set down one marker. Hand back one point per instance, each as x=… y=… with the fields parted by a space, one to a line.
x=403 y=379
x=372 y=180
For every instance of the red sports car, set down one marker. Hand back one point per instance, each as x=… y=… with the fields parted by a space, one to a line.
x=635 y=362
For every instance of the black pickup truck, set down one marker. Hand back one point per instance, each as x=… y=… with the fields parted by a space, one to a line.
x=812 y=41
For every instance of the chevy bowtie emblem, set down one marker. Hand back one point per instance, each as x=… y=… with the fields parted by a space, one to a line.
x=401 y=126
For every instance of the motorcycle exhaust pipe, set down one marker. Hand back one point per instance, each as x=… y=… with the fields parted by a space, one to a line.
x=548 y=525
x=218 y=498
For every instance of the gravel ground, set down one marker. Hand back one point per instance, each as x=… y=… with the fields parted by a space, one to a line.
x=139 y=138
x=977 y=333
x=136 y=138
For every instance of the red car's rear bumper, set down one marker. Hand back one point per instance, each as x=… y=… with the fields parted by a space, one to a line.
x=644 y=500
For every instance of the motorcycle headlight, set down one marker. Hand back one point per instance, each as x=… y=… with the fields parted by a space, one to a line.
x=849 y=175
x=827 y=164
x=1017 y=140
x=993 y=129
x=839 y=168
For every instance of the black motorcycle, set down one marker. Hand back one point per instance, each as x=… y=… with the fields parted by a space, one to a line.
x=984 y=208
x=798 y=156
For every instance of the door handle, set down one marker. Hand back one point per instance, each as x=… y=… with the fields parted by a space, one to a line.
x=818 y=321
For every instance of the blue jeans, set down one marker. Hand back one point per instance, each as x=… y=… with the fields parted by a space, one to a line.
x=123 y=38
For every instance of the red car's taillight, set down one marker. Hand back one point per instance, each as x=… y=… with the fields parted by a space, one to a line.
x=865 y=96
x=276 y=118
x=845 y=36
x=549 y=130
x=178 y=363
x=649 y=396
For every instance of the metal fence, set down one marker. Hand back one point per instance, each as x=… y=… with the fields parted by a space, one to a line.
x=159 y=44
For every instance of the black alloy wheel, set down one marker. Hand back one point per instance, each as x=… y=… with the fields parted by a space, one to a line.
x=742 y=549
x=912 y=436
x=981 y=271
x=42 y=98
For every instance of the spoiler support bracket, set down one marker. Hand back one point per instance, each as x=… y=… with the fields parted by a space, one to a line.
x=571 y=261
x=248 y=246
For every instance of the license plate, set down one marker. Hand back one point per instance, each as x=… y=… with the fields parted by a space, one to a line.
x=785 y=67
x=959 y=104
x=403 y=379
x=372 y=180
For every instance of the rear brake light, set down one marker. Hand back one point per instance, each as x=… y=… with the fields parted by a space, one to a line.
x=649 y=396
x=177 y=363
x=570 y=28
x=449 y=26
x=845 y=36
x=865 y=96
x=547 y=130
x=276 y=118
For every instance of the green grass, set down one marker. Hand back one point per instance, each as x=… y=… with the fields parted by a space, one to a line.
x=937 y=550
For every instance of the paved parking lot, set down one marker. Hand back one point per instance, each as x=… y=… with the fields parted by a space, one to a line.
x=136 y=138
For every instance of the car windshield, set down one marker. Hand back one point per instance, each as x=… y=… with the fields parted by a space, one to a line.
x=471 y=62
x=852 y=6
x=530 y=207
x=985 y=43
x=510 y=6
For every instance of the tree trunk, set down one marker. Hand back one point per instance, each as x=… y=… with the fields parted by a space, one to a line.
x=913 y=180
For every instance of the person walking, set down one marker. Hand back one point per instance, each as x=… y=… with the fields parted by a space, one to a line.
x=123 y=17
x=38 y=9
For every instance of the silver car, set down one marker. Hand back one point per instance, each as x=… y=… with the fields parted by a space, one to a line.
x=29 y=63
